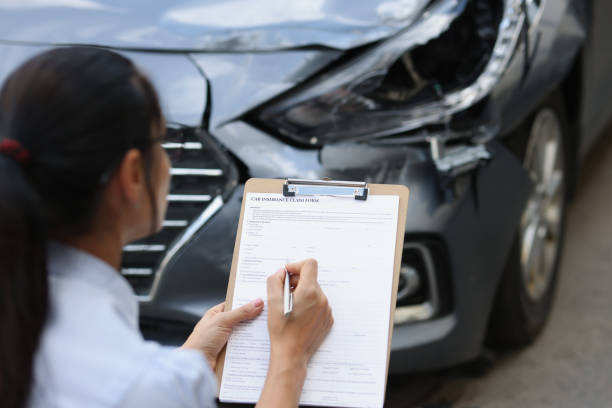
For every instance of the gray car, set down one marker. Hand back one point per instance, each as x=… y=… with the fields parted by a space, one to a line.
x=483 y=108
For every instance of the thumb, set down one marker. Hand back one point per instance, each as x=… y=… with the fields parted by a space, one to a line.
x=242 y=313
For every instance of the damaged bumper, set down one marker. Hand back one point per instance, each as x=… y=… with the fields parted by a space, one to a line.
x=443 y=319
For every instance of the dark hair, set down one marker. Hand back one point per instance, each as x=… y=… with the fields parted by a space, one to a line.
x=77 y=110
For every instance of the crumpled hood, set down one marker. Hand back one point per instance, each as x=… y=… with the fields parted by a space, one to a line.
x=209 y=25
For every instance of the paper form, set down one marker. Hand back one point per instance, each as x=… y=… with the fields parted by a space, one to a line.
x=354 y=244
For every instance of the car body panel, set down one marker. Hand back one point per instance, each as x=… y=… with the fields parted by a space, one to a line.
x=212 y=25
x=557 y=36
x=241 y=81
x=178 y=81
x=266 y=156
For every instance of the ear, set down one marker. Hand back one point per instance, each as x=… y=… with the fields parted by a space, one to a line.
x=130 y=178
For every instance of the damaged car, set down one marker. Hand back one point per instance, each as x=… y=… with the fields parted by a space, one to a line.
x=483 y=108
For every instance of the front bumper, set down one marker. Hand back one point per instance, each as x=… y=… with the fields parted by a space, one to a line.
x=477 y=227
x=473 y=218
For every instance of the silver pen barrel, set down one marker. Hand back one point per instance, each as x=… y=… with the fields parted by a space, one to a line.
x=287 y=296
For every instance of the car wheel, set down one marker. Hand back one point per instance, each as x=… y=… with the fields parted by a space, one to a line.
x=526 y=290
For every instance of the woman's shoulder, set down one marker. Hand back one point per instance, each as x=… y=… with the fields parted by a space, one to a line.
x=91 y=352
x=93 y=356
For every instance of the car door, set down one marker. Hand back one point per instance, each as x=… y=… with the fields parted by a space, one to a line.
x=597 y=73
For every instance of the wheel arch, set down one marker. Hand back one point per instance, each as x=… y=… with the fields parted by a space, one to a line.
x=517 y=143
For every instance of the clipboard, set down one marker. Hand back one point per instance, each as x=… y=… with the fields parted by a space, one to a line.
x=344 y=189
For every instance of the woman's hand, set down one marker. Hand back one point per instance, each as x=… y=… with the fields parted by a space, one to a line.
x=294 y=339
x=214 y=328
x=300 y=334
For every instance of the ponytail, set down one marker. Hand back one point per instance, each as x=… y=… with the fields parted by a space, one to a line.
x=23 y=282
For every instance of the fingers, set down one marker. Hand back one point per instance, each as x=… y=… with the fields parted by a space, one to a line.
x=307 y=270
x=293 y=280
x=242 y=313
x=295 y=268
x=275 y=284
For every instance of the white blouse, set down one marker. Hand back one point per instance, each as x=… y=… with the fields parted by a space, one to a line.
x=92 y=354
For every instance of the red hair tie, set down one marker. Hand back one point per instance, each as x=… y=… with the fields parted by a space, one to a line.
x=15 y=150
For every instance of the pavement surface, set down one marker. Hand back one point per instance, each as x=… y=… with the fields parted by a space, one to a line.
x=570 y=364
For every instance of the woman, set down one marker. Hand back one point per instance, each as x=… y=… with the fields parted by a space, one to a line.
x=82 y=173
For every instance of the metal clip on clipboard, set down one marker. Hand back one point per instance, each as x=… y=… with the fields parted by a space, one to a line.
x=356 y=189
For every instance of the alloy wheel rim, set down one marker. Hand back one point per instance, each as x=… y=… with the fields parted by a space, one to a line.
x=540 y=226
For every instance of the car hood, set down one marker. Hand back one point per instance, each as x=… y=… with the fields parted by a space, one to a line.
x=210 y=25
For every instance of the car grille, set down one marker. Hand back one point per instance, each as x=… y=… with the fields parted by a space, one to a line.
x=203 y=174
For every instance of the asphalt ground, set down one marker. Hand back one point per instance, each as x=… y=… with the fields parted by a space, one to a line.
x=570 y=364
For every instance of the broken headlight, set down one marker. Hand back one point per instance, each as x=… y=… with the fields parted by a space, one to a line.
x=448 y=60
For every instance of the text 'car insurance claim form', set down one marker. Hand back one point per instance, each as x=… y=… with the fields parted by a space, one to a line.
x=354 y=244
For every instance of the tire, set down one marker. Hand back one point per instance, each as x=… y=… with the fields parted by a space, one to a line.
x=527 y=287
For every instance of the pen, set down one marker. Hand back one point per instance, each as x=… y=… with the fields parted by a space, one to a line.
x=288 y=296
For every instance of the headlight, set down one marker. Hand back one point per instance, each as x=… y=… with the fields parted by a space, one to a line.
x=444 y=63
